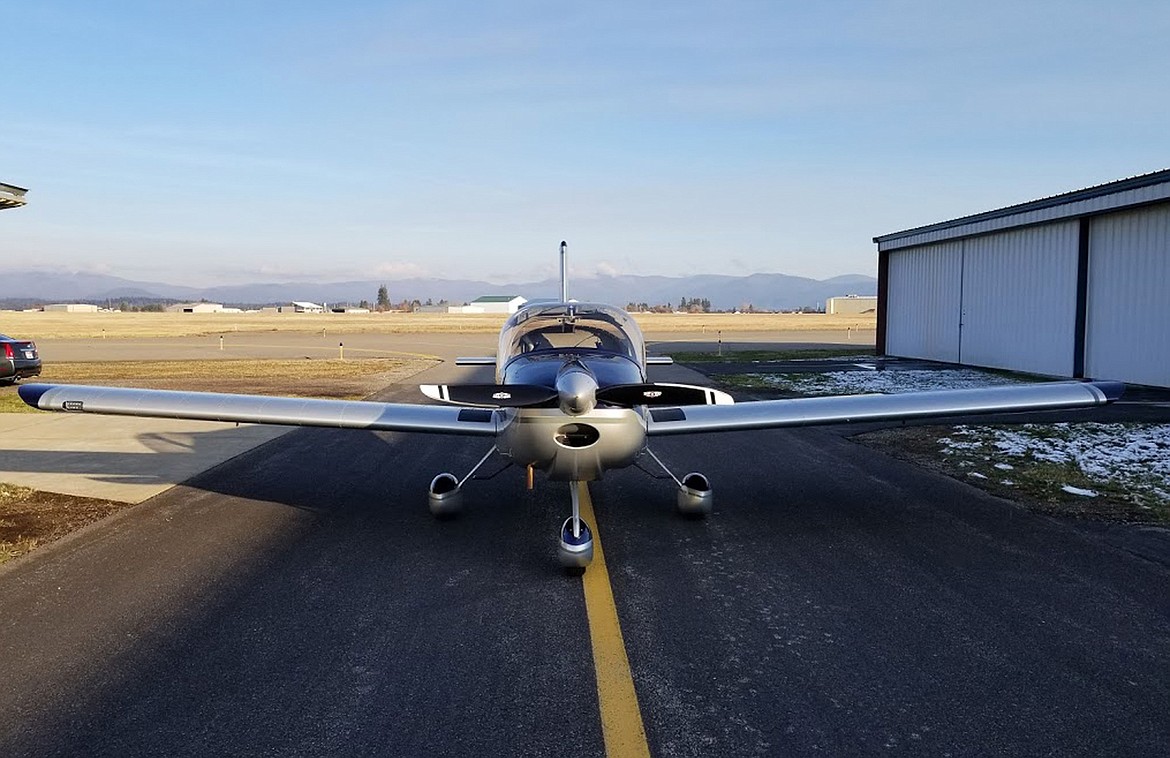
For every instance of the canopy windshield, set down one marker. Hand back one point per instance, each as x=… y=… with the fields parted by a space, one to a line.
x=572 y=328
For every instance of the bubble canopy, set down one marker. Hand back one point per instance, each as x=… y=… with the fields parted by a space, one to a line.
x=572 y=328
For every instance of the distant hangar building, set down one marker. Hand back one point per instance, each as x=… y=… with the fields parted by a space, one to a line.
x=851 y=305
x=1074 y=285
x=71 y=308
x=490 y=304
x=201 y=307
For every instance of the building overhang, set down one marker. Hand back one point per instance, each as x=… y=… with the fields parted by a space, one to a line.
x=1103 y=198
x=11 y=196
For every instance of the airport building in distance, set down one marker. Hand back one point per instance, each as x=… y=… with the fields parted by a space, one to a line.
x=1072 y=285
x=851 y=305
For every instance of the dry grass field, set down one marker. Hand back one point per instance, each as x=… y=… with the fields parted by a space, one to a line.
x=348 y=380
x=39 y=325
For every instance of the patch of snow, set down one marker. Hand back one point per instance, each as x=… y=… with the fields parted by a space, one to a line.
x=1135 y=456
x=976 y=475
x=850 y=358
x=1078 y=491
x=888 y=381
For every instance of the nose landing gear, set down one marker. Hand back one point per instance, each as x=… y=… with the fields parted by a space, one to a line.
x=575 y=548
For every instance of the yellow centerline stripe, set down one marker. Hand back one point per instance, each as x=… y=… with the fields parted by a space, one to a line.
x=621 y=719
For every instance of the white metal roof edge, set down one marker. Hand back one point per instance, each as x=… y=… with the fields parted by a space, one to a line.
x=1114 y=196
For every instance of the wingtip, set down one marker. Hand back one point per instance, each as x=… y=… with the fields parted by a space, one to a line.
x=1112 y=390
x=31 y=393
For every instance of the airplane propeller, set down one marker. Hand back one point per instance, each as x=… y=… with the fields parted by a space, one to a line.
x=530 y=395
x=493 y=395
x=661 y=394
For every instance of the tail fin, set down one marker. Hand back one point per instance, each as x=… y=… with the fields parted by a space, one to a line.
x=564 y=274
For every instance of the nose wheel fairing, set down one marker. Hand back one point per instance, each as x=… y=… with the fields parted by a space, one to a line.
x=575 y=549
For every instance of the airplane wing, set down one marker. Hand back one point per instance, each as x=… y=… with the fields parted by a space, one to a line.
x=261 y=409
x=811 y=411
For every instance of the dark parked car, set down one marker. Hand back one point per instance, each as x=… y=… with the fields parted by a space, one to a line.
x=18 y=359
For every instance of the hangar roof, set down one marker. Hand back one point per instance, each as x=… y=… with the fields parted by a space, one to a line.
x=1125 y=193
x=496 y=299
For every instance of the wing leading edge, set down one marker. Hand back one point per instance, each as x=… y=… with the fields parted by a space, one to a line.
x=440 y=419
x=811 y=411
x=260 y=409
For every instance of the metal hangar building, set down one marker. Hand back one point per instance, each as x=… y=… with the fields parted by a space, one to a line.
x=1074 y=285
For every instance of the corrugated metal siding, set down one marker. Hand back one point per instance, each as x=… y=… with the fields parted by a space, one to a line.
x=1019 y=299
x=923 y=309
x=1128 y=330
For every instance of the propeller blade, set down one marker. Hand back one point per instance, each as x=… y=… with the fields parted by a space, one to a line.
x=662 y=394
x=492 y=395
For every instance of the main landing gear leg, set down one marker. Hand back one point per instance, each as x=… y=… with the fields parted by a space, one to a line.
x=445 y=495
x=695 y=498
x=575 y=549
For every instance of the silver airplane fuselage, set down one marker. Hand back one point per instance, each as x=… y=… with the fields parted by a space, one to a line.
x=574 y=349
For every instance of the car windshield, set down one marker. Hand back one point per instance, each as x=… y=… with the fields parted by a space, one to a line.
x=572 y=327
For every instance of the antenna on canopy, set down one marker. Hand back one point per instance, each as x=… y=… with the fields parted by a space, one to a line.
x=564 y=274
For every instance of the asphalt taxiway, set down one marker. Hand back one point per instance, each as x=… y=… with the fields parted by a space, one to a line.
x=299 y=599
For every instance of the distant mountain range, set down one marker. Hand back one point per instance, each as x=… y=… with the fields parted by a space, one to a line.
x=769 y=291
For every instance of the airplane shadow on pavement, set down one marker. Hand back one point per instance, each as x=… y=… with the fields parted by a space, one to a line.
x=300 y=598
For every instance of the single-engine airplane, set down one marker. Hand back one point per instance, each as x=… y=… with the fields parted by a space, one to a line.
x=571 y=398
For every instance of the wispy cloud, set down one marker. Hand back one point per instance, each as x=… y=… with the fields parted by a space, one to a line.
x=605 y=268
x=401 y=270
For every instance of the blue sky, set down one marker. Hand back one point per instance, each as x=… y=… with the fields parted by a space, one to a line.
x=210 y=142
